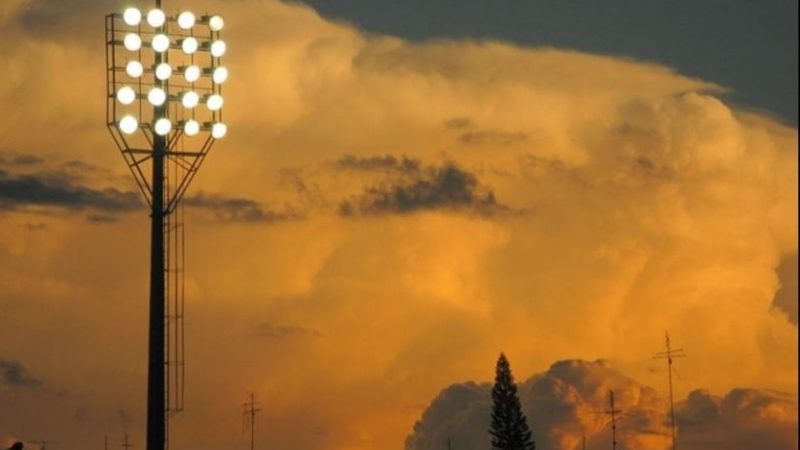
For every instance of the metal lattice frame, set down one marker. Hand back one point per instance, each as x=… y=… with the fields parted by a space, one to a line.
x=136 y=149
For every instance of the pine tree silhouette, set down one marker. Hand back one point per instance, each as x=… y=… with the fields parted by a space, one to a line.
x=509 y=427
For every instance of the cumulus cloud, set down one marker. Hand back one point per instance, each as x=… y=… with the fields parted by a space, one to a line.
x=650 y=205
x=567 y=403
x=742 y=418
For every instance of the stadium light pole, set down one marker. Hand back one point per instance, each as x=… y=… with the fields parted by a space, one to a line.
x=164 y=103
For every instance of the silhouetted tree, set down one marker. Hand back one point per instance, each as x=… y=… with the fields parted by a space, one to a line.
x=509 y=428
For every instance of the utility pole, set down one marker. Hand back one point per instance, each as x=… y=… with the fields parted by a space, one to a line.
x=250 y=410
x=669 y=354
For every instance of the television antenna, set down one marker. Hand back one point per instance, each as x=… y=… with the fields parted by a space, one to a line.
x=669 y=354
x=613 y=412
x=251 y=408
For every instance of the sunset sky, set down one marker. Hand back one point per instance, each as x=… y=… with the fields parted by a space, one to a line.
x=404 y=193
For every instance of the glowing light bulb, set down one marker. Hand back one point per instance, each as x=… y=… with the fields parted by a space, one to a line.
x=132 y=42
x=186 y=20
x=216 y=23
x=189 y=45
x=134 y=69
x=220 y=75
x=156 y=96
x=160 y=43
x=218 y=48
x=192 y=73
x=191 y=127
x=162 y=126
x=163 y=71
x=156 y=18
x=214 y=102
x=126 y=95
x=128 y=125
x=219 y=130
x=190 y=99
x=132 y=17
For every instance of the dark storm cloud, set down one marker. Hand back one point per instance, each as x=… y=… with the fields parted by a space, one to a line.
x=59 y=190
x=471 y=134
x=703 y=39
x=492 y=137
x=14 y=374
x=27 y=160
x=13 y=159
x=269 y=330
x=60 y=18
x=388 y=162
x=786 y=296
x=457 y=123
x=238 y=209
x=448 y=187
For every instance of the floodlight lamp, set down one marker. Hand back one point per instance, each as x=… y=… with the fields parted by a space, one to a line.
x=214 y=102
x=156 y=18
x=219 y=130
x=218 y=48
x=134 y=69
x=219 y=75
x=156 y=96
x=191 y=127
x=128 y=125
x=191 y=73
x=126 y=95
x=162 y=126
x=186 y=20
x=163 y=71
x=190 y=100
x=160 y=43
x=216 y=23
x=132 y=42
x=132 y=17
x=189 y=45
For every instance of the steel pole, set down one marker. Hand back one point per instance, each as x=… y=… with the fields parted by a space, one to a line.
x=156 y=405
x=156 y=402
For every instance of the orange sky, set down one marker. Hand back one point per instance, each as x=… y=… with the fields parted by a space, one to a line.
x=407 y=211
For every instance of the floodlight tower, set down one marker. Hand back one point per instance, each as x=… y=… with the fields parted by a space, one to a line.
x=164 y=80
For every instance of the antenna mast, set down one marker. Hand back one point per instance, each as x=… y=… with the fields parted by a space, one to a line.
x=250 y=410
x=613 y=413
x=669 y=354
